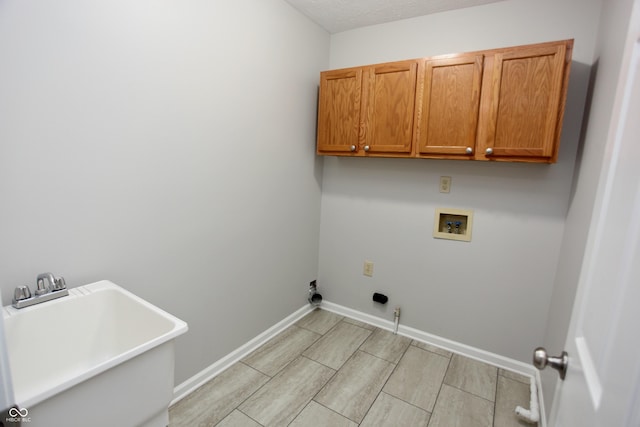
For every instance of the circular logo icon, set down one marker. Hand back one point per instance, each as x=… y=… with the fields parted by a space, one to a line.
x=15 y=412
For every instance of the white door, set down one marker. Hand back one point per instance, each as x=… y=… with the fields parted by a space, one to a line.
x=602 y=385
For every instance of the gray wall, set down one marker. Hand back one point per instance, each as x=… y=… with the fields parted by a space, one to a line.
x=166 y=146
x=169 y=147
x=612 y=32
x=490 y=293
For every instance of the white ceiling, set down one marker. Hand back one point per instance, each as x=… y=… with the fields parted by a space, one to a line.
x=342 y=15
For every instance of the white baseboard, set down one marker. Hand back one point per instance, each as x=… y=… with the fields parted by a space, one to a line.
x=497 y=360
x=202 y=377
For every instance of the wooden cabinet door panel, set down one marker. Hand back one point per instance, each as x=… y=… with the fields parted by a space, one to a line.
x=525 y=101
x=339 y=110
x=388 y=107
x=450 y=105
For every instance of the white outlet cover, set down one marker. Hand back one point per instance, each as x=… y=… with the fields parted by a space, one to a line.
x=445 y=184
x=368 y=269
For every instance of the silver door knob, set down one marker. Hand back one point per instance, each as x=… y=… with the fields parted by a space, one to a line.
x=469 y=150
x=366 y=148
x=488 y=151
x=352 y=148
x=541 y=360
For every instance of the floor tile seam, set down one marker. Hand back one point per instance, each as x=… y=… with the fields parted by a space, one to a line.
x=393 y=370
x=200 y=413
x=350 y=356
x=315 y=310
x=385 y=381
x=381 y=388
x=441 y=381
x=301 y=353
x=272 y=378
x=256 y=390
x=304 y=406
x=319 y=335
x=329 y=409
x=495 y=398
x=358 y=326
x=368 y=409
x=322 y=364
x=527 y=381
x=343 y=363
x=194 y=394
x=356 y=322
x=244 y=413
x=271 y=340
x=469 y=392
x=371 y=332
x=336 y=371
x=334 y=326
x=375 y=355
x=330 y=330
x=528 y=384
x=298 y=354
x=316 y=332
x=190 y=419
x=334 y=376
x=258 y=370
x=278 y=335
x=434 y=352
x=437 y=355
x=408 y=403
x=323 y=387
x=224 y=417
x=444 y=381
x=435 y=401
x=249 y=396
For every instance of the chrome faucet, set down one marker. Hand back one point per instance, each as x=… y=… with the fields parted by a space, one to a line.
x=41 y=289
x=56 y=288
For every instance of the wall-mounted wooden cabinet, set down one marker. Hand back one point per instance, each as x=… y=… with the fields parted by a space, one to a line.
x=388 y=101
x=450 y=104
x=503 y=104
x=368 y=110
x=339 y=111
x=524 y=92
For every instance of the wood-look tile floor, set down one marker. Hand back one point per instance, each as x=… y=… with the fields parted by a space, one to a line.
x=328 y=370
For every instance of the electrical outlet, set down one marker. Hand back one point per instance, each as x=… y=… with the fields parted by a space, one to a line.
x=368 y=268
x=445 y=184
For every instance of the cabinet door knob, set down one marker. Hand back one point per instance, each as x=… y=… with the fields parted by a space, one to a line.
x=469 y=150
x=352 y=148
x=366 y=148
x=488 y=151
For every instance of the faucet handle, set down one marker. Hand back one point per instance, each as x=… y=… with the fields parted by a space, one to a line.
x=58 y=284
x=21 y=292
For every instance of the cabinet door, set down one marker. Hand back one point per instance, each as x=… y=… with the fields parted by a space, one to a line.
x=389 y=99
x=450 y=104
x=339 y=111
x=525 y=92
